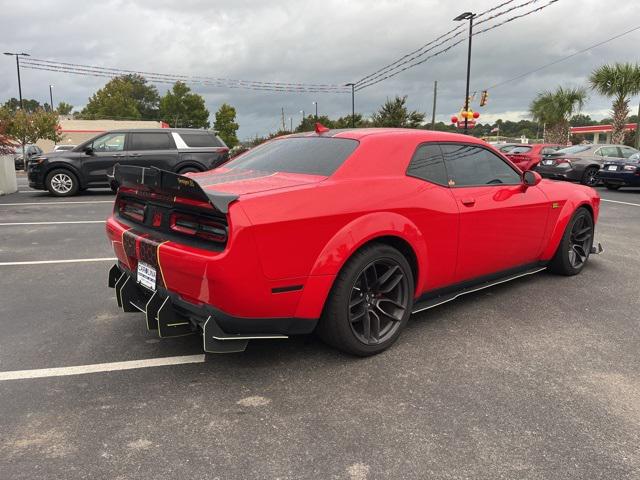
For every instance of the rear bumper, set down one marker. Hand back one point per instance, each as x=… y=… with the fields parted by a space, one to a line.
x=619 y=178
x=172 y=316
x=559 y=173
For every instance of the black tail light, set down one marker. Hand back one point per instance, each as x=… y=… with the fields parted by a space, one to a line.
x=203 y=228
x=131 y=209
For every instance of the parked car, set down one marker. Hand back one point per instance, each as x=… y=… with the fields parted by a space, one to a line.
x=91 y=163
x=615 y=174
x=64 y=148
x=528 y=157
x=581 y=163
x=506 y=147
x=349 y=231
x=32 y=152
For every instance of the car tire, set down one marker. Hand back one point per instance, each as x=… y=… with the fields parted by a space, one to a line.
x=62 y=183
x=590 y=177
x=184 y=170
x=575 y=246
x=114 y=186
x=611 y=186
x=370 y=302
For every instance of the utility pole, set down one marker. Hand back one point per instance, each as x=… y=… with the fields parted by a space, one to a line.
x=316 y=104
x=433 y=113
x=51 y=97
x=638 y=129
x=291 y=124
x=353 y=103
x=283 y=125
x=467 y=16
x=18 y=55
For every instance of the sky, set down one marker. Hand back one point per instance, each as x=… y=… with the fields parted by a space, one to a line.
x=329 y=41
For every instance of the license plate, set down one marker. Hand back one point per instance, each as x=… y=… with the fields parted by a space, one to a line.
x=547 y=162
x=612 y=167
x=146 y=275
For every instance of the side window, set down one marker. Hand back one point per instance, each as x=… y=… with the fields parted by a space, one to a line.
x=548 y=150
x=150 y=141
x=627 y=152
x=111 y=142
x=471 y=165
x=609 y=152
x=427 y=164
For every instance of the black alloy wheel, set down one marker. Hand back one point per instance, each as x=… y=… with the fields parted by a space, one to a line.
x=590 y=176
x=580 y=241
x=379 y=301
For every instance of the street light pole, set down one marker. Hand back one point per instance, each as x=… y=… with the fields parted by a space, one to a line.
x=302 y=122
x=467 y=16
x=353 y=103
x=18 y=55
x=51 y=96
x=316 y=104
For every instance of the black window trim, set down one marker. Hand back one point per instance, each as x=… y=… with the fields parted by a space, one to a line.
x=471 y=144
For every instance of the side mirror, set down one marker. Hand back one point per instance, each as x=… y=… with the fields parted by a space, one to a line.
x=88 y=150
x=531 y=178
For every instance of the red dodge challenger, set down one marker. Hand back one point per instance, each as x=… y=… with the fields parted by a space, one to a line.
x=345 y=232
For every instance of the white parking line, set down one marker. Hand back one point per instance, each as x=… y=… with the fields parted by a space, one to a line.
x=100 y=367
x=13 y=224
x=53 y=203
x=45 y=262
x=623 y=203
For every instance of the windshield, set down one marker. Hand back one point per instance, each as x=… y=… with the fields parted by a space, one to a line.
x=507 y=148
x=574 y=149
x=634 y=158
x=307 y=155
x=520 y=150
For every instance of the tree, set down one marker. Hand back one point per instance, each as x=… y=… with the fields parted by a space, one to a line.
x=30 y=127
x=619 y=81
x=226 y=125
x=6 y=143
x=64 y=108
x=181 y=108
x=30 y=105
x=394 y=113
x=554 y=109
x=581 y=120
x=127 y=97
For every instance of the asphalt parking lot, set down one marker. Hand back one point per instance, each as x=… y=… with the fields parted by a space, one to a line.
x=536 y=379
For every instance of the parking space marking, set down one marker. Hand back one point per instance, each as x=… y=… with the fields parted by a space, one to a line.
x=618 y=201
x=14 y=224
x=100 y=367
x=53 y=203
x=45 y=262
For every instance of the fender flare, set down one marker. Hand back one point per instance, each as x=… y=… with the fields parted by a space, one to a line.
x=365 y=229
x=568 y=209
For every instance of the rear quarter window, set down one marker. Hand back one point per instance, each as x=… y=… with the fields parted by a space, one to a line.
x=201 y=140
x=307 y=155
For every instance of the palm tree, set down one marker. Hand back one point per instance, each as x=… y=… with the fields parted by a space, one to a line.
x=554 y=109
x=619 y=81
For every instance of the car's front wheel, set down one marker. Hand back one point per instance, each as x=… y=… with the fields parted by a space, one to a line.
x=575 y=246
x=62 y=183
x=370 y=302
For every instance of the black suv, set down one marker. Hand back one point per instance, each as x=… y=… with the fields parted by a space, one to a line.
x=90 y=164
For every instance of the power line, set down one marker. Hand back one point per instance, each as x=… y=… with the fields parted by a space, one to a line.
x=449 y=47
x=562 y=59
x=455 y=32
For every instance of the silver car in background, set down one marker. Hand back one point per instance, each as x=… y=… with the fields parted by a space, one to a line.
x=581 y=163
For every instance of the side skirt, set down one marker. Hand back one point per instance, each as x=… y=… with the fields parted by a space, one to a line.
x=438 y=297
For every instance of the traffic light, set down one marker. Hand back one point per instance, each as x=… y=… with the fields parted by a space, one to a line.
x=483 y=98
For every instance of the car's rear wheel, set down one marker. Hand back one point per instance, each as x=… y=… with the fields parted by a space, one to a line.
x=590 y=176
x=370 y=302
x=611 y=186
x=62 y=183
x=575 y=246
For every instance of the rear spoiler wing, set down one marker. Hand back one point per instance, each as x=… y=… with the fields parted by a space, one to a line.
x=168 y=183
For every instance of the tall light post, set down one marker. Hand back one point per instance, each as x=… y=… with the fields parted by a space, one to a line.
x=18 y=55
x=302 y=122
x=51 y=96
x=316 y=105
x=353 y=103
x=467 y=16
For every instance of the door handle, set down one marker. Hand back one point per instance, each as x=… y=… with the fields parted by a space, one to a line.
x=468 y=201
x=135 y=154
x=118 y=155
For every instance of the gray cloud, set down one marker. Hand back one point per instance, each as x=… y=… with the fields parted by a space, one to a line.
x=309 y=41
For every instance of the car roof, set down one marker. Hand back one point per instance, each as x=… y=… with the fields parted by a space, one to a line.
x=409 y=133
x=161 y=130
